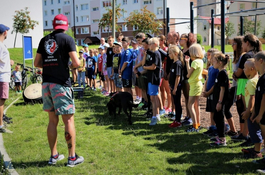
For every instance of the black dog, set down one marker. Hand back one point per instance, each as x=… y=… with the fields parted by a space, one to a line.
x=122 y=100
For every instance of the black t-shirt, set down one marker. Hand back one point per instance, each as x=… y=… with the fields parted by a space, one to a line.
x=220 y=81
x=116 y=62
x=185 y=71
x=154 y=76
x=54 y=49
x=175 y=70
x=260 y=90
x=110 y=54
x=243 y=59
x=169 y=62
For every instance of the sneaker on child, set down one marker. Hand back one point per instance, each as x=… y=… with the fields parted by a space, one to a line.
x=187 y=122
x=175 y=124
x=192 y=129
x=219 y=143
x=75 y=161
x=153 y=121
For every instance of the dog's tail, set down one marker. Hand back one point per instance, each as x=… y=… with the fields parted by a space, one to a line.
x=133 y=105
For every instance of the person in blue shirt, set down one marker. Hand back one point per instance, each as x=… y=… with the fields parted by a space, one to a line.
x=126 y=65
x=91 y=67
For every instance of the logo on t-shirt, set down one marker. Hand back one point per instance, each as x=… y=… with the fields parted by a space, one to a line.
x=90 y=63
x=258 y=88
x=51 y=46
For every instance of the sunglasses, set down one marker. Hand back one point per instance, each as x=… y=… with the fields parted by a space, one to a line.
x=234 y=44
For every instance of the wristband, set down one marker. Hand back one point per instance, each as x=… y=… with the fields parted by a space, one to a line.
x=220 y=102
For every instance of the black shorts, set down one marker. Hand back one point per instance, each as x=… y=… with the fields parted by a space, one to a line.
x=126 y=83
x=209 y=104
x=90 y=73
x=18 y=83
x=136 y=82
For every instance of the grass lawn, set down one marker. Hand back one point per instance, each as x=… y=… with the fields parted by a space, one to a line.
x=111 y=146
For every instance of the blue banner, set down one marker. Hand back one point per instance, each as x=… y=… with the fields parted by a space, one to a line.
x=27 y=48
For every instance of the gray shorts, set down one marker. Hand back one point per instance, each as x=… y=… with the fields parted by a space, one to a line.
x=109 y=71
x=117 y=80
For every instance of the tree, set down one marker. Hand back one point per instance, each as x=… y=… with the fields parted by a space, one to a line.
x=249 y=27
x=199 y=38
x=229 y=30
x=106 y=20
x=69 y=32
x=22 y=22
x=144 y=21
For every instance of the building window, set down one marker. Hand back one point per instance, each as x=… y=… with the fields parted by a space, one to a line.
x=59 y=11
x=45 y=2
x=124 y=14
x=204 y=27
x=204 y=39
x=51 y=1
x=242 y=7
x=95 y=8
x=135 y=28
x=45 y=13
x=77 y=31
x=59 y=1
x=46 y=23
x=84 y=6
x=84 y=30
x=124 y=28
x=124 y=2
x=135 y=1
x=159 y=11
x=76 y=18
x=84 y=18
x=52 y=11
x=106 y=3
x=66 y=13
x=96 y=32
x=66 y=2
x=218 y=27
x=76 y=8
x=95 y=20
x=147 y=1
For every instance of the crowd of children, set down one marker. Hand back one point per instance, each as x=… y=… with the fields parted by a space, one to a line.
x=162 y=69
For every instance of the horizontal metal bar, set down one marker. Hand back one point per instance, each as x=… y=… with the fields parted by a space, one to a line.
x=247 y=1
x=198 y=6
x=179 y=23
x=242 y=11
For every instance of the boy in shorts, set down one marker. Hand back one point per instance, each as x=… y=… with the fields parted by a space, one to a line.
x=116 y=62
x=91 y=70
x=18 y=79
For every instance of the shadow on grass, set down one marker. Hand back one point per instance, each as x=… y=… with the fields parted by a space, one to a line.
x=24 y=165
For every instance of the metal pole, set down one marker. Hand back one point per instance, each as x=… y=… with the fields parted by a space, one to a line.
x=191 y=18
x=255 y=27
x=223 y=26
x=241 y=25
x=212 y=29
x=164 y=16
x=113 y=19
x=74 y=18
x=168 y=20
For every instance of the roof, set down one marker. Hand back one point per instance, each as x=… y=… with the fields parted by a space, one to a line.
x=217 y=21
x=91 y=39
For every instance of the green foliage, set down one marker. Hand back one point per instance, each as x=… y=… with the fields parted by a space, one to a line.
x=199 y=38
x=263 y=33
x=229 y=29
x=71 y=33
x=22 y=22
x=106 y=20
x=249 y=27
x=45 y=33
x=3 y=170
x=144 y=21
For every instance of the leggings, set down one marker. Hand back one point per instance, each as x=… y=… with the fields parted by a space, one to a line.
x=240 y=109
x=177 y=102
x=229 y=102
x=220 y=122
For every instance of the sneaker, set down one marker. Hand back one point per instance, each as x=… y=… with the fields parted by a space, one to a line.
x=231 y=133
x=56 y=158
x=192 y=129
x=169 y=115
x=262 y=150
x=261 y=171
x=219 y=143
x=246 y=150
x=175 y=124
x=259 y=161
x=239 y=138
x=168 y=110
x=185 y=119
x=252 y=154
x=162 y=112
x=153 y=121
x=173 y=118
x=213 y=134
x=77 y=160
x=214 y=139
x=158 y=118
x=100 y=87
x=248 y=142
x=76 y=85
x=140 y=105
x=187 y=122
x=2 y=130
x=209 y=131
x=137 y=101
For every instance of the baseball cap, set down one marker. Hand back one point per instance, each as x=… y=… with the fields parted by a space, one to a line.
x=81 y=51
x=134 y=41
x=85 y=45
x=101 y=47
x=60 y=22
x=3 y=28
x=117 y=43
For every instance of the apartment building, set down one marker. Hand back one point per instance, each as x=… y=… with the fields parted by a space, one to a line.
x=84 y=15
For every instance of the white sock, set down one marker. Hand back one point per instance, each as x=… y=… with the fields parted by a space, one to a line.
x=1 y=126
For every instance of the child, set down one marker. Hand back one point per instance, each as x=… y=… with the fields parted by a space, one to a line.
x=258 y=115
x=116 y=62
x=208 y=87
x=135 y=51
x=175 y=79
x=18 y=79
x=110 y=54
x=195 y=77
x=81 y=69
x=220 y=93
x=91 y=69
x=99 y=65
x=126 y=65
x=152 y=63
x=249 y=99
x=105 y=73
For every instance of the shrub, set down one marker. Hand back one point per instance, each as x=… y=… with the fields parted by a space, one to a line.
x=199 y=39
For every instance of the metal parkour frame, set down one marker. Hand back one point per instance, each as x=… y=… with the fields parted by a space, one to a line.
x=241 y=14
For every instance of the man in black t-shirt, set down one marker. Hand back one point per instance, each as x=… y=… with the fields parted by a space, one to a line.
x=110 y=55
x=53 y=56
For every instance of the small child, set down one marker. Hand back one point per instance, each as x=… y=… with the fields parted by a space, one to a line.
x=91 y=69
x=195 y=77
x=81 y=69
x=116 y=62
x=175 y=81
x=105 y=73
x=99 y=65
x=212 y=74
x=18 y=79
x=249 y=98
x=220 y=93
